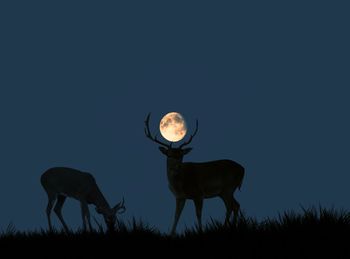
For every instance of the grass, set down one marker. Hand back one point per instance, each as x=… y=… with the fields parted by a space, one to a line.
x=314 y=232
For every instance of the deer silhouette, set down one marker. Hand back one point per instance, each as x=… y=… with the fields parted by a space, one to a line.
x=62 y=182
x=198 y=181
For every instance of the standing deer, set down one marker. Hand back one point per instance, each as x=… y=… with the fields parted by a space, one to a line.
x=62 y=182
x=198 y=181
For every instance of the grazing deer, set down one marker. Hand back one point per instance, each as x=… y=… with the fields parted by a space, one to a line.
x=198 y=181
x=62 y=182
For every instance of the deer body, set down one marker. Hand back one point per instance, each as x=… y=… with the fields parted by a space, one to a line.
x=199 y=181
x=204 y=180
x=73 y=183
x=62 y=182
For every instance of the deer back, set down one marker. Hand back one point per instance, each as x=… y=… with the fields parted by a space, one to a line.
x=205 y=180
x=69 y=182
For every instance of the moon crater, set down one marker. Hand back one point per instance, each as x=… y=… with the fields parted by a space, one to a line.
x=173 y=127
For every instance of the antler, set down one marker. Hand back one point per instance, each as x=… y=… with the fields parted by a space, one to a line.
x=190 y=139
x=121 y=207
x=149 y=135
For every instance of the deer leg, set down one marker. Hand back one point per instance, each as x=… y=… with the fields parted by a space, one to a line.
x=58 y=210
x=85 y=214
x=180 y=203
x=236 y=208
x=82 y=206
x=52 y=199
x=228 y=200
x=199 y=204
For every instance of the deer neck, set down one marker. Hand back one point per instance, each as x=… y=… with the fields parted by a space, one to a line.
x=173 y=167
x=98 y=199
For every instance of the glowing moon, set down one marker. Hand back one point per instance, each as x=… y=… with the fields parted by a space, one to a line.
x=173 y=127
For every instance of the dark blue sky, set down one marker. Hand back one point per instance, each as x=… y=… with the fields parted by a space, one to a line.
x=268 y=81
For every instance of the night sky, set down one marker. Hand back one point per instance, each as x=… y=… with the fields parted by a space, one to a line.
x=268 y=81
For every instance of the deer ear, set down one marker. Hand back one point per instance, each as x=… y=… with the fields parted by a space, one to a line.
x=114 y=210
x=98 y=210
x=186 y=150
x=163 y=150
x=116 y=207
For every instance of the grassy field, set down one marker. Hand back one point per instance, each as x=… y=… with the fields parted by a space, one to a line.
x=312 y=233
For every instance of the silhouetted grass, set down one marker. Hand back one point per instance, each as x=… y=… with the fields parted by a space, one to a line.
x=313 y=232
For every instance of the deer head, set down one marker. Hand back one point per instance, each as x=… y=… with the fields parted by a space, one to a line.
x=110 y=214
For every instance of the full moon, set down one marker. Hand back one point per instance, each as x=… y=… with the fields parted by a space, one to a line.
x=173 y=127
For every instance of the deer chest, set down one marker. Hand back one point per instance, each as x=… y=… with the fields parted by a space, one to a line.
x=183 y=186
